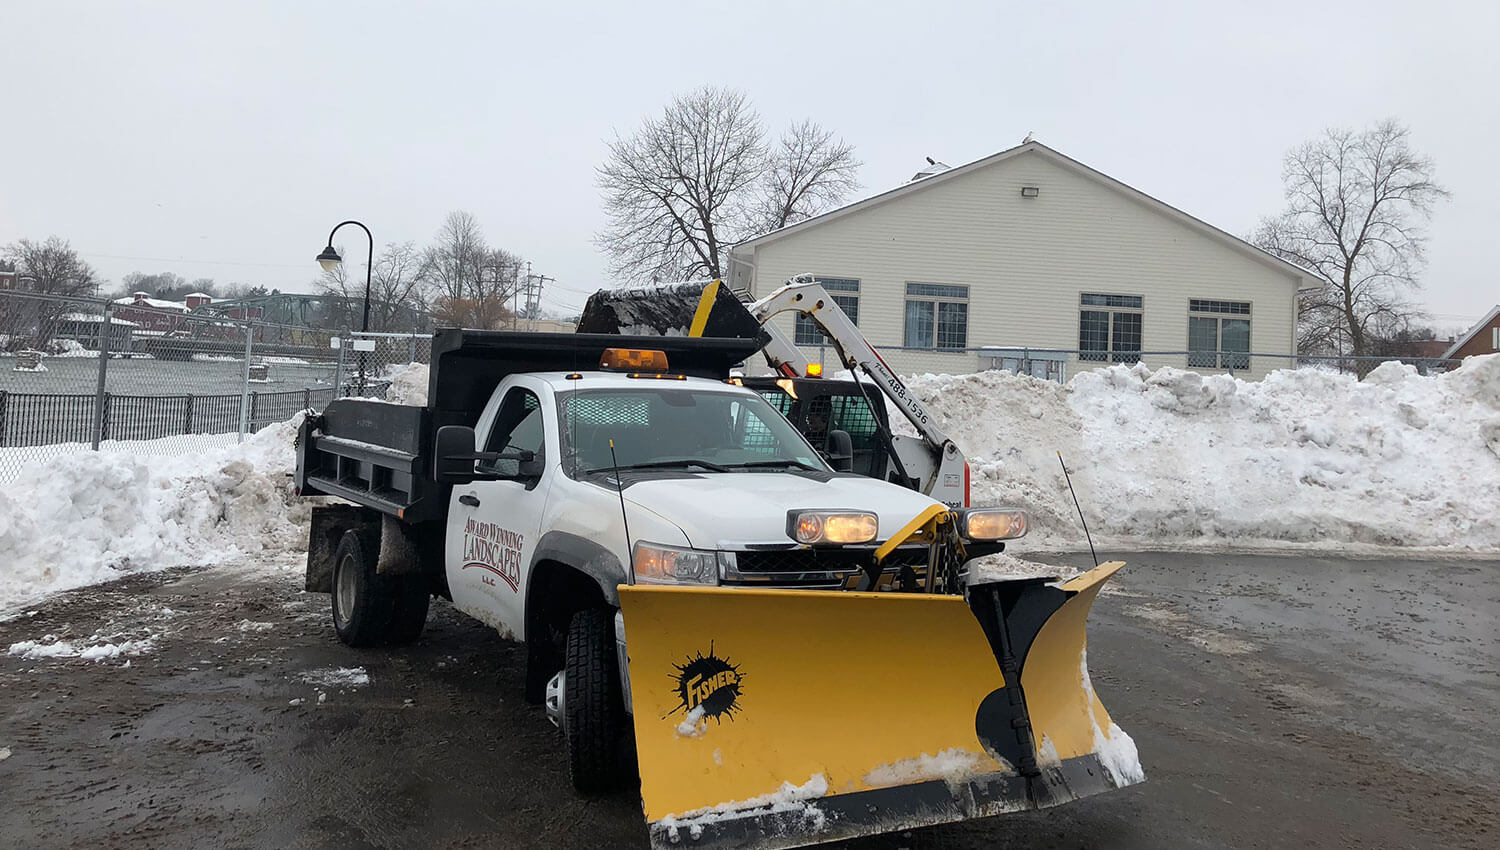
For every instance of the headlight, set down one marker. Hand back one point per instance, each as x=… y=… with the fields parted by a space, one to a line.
x=832 y=526
x=670 y=565
x=994 y=523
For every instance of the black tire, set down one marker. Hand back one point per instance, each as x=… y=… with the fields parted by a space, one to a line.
x=594 y=723
x=362 y=601
x=409 y=612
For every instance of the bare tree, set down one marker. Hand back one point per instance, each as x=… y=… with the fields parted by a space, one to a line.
x=53 y=266
x=808 y=171
x=472 y=282
x=1355 y=202
x=399 y=289
x=698 y=178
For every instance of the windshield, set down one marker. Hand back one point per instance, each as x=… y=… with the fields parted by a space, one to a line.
x=676 y=428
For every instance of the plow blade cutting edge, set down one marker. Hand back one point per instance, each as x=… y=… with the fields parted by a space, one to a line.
x=779 y=718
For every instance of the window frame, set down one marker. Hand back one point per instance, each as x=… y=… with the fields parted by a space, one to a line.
x=1110 y=354
x=935 y=312
x=805 y=331
x=1199 y=358
x=492 y=467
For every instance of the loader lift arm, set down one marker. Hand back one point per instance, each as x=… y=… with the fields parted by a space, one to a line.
x=926 y=464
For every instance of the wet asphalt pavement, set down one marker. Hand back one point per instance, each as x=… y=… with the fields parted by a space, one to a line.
x=1276 y=702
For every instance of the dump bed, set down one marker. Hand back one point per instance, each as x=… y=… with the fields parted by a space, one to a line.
x=379 y=455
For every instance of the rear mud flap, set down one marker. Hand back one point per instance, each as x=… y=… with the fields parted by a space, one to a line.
x=778 y=718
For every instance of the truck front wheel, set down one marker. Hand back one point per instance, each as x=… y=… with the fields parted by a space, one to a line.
x=362 y=601
x=593 y=707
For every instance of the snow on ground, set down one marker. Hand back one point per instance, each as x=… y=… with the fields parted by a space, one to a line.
x=1301 y=459
x=88 y=517
x=408 y=384
x=94 y=648
x=337 y=677
x=1166 y=458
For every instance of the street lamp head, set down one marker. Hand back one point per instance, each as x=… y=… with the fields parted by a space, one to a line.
x=329 y=259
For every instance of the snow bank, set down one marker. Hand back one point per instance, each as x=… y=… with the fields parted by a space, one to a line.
x=89 y=517
x=1303 y=458
x=408 y=384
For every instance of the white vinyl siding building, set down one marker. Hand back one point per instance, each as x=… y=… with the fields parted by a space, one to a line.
x=1030 y=249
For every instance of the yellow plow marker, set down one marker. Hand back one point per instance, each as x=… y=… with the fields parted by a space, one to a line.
x=779 y=718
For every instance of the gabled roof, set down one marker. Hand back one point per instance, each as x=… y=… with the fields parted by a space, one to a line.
x=1305 y=278
x=1472 y=332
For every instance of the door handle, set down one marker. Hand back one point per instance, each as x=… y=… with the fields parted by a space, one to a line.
x=469 y=499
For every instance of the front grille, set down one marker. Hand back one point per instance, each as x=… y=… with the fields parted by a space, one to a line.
x=842 y=560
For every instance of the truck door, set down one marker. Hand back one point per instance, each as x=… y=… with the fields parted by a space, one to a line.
x=493 y=525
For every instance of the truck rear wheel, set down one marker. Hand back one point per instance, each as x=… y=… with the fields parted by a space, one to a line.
x=593 y=707
x=362 y=601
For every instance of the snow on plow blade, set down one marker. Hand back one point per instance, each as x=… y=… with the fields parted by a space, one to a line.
x=779 y=718
x=684 y=309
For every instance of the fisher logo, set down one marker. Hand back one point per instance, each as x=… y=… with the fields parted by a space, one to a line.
x=711 y=683
x=495 y=550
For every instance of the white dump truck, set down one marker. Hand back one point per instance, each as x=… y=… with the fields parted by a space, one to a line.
x=778 y=649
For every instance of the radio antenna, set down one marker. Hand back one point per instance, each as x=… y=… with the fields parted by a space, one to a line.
x=1069 y=479
x=620 y=488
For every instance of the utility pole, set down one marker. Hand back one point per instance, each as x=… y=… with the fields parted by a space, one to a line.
x=534 y=295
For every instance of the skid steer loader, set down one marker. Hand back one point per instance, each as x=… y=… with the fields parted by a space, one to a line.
x=929 y=462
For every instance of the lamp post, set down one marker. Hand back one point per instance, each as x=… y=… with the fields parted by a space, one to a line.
x=330 y=261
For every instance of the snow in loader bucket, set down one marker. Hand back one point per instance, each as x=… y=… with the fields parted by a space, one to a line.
x=683 y=309
x=779 y=718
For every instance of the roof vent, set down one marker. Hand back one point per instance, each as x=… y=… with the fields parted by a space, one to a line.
x=933 y=167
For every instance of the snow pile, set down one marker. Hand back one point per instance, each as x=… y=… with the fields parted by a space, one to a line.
x=788 y=798
x=89 y=517
x=89 y=649
x=69 y=348
x=1303 y=458
x=408 y=385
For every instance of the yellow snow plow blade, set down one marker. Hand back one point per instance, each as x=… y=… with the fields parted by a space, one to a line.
x=778 y=718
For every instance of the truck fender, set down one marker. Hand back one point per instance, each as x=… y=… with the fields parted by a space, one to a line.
x=585 y=556
x=406 y=549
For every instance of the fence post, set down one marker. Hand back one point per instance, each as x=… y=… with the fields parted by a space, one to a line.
x=338 y=370
x=103 y=419
x=411 y=349
x=4 y=403
x=306 y=398
x=187 y=419
x=245 y=402
x=99 y=397
x=253 y=397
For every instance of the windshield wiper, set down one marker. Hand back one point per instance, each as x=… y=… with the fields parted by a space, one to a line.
x=784 y=462
x=682 y=463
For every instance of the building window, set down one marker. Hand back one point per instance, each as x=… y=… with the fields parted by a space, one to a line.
x=845 y=292
x=1218 y=334
x=1109 y=327
x=937 y=316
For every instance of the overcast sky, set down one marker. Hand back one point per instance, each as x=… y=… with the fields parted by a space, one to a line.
x=224 y=139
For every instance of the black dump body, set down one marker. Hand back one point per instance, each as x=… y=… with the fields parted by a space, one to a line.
x=379 y=455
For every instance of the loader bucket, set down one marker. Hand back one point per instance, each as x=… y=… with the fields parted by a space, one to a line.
x=684 y=309
x=780 y=718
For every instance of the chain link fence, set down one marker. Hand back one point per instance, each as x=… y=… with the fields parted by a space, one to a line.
x=146 y=376
x=152 y=377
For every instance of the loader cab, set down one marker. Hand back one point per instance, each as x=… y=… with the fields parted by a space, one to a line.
x=816 y=406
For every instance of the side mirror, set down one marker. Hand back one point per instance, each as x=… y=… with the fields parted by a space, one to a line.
x=530 y=467
x=453 y=455
x=840 y=451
